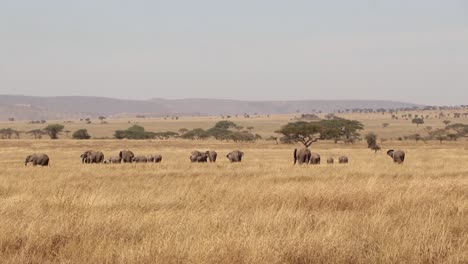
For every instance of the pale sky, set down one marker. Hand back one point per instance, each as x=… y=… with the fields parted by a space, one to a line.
x=403 y=50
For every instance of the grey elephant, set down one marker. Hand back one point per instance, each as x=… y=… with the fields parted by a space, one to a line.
x=398 y=156
x=203 y=158
x=343 y=159
x=115 y=159
x=140 y=159
x=330 y=160
x=302 y=156
x=235 y=156
x=314 y=158
x=155 y=158
x=40 y=159
x=197 y=156
x=126 y=156
x=92 y=156
x=212 y=155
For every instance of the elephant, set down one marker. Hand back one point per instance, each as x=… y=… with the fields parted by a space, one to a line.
x=202 y=158
x=126 y=156
x=92 y=156
x=197 y=156
x=314 y=158
x=116 y=159
x=330 y=160
x=40 y=159
x=302 y=156
x=140 y=159
x=343 y=159
x=155 y=158
x=235 y=156
x=398 y=156
x=212 y=155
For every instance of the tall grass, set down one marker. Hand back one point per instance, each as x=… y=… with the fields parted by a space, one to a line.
x=264 y=210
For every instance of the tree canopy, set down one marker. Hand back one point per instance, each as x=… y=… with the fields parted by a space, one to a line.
x=309 y=132
x=53 y=130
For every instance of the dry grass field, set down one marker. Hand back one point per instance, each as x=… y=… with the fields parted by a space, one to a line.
x=263 y=210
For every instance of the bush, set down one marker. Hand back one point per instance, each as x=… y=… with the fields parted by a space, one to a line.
x=81 y=134
x=371 y=139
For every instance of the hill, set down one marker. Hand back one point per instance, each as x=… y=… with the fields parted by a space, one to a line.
x=62 y=107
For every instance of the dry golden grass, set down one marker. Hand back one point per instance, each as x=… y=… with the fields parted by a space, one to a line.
x=263 y=210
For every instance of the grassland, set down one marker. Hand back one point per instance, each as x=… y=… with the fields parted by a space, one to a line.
x=263 y=210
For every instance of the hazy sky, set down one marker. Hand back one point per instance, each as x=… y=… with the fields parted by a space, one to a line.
x=407 y=50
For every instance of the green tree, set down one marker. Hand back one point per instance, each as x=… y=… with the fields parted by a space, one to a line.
x=81 y=134
x=418 y=121
x=340 y=129
x=304 y=132
x=196 y=134
x=439 y=134
x=53 y=130
x=134 y=132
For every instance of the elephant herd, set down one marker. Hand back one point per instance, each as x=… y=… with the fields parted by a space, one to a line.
x=305 y=156
x=301 y=156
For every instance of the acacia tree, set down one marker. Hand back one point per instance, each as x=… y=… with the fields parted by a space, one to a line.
x=37 y=133
x=304 y=132
x=418 y=121
x=53 y=130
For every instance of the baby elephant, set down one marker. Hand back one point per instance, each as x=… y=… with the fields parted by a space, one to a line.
x=398 y=156
x=155 y=158
x=115 y=159
x=343 y=159
x=314 y=158
x=330 y=160
x=140 y=159
x=40 y=159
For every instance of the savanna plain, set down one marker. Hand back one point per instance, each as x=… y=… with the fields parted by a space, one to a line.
x=263 y=210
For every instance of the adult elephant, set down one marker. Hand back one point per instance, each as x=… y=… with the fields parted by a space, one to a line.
x=302 y=156
x=40 y=159
x=398 y=156
x=343 y=159
x=92 y=156
x=314 y=158
x=155 y=158
x=126 y=156
x=212 y=155
x=235 y=156
x=140 y=159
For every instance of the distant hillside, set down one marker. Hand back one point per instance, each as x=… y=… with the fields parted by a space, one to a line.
x=31 y=107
